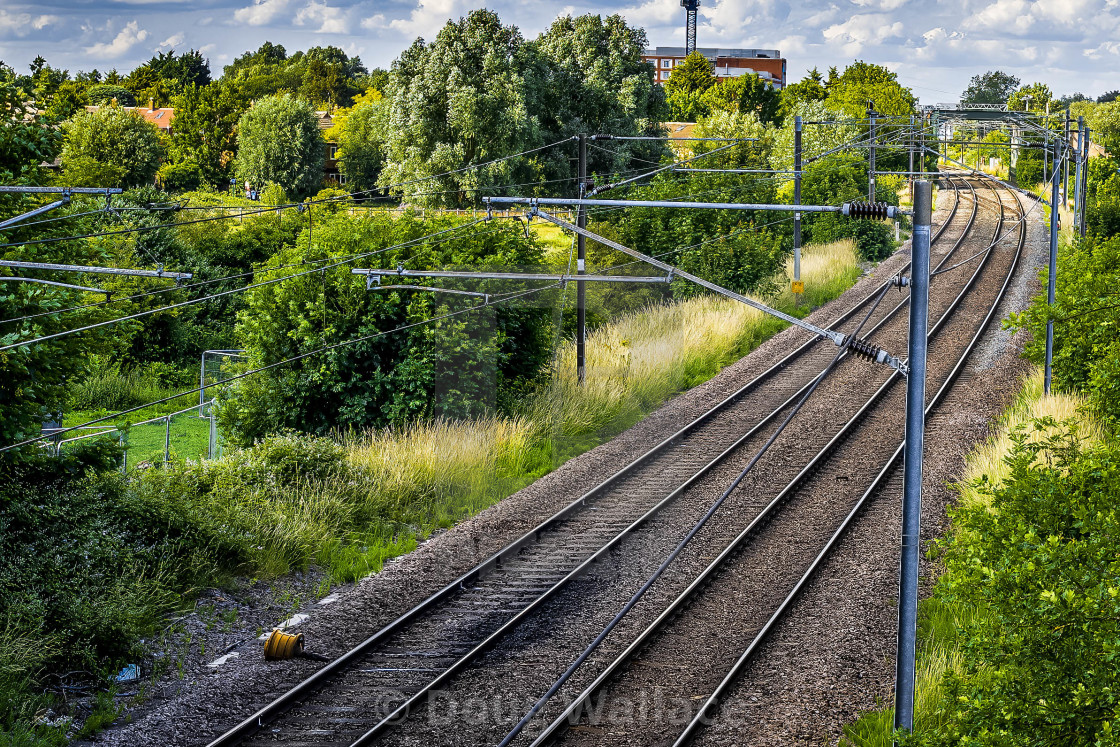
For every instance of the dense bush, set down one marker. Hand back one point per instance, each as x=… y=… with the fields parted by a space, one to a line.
x=1086 y=316
x=1040 y=558
x=451 y=367
x=1028 y=171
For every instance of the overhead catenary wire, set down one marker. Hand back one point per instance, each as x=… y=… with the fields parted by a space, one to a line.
x=270 y=366
x=596 y=211
x=241 y=289
x=637 y=596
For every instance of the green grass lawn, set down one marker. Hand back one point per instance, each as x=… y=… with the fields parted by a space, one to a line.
x=190 y=435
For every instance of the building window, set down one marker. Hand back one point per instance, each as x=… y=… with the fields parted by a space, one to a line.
x=666 y=63
x=680 y=62
x=334 y=152
x=664 y=75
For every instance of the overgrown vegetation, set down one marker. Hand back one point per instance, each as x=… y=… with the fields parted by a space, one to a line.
x=381 y=415
x=135 y=544
x=1019 y=638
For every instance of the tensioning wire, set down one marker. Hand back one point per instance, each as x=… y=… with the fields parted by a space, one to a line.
x=318 y=351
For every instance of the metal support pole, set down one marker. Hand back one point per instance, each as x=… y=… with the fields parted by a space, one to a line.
x=1084 y=189
x=798 y=287
x=167 y=441
x=213 y=445
x=1051 y=280
x=202 y=384
x=1077 y=177
x=912 y=470
x=910 y=150
x=1065 y=165
x=98 y=270
x=1045 y=163
x=581 y=268
x=871 y=162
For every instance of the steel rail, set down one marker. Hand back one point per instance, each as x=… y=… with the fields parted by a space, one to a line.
x=733 y=675
x=891 y=463
x=293 y=696
x=564 y=719
x=417 y=699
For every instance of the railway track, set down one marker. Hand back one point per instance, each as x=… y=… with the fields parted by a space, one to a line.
x=360 y=695
x=810 y=514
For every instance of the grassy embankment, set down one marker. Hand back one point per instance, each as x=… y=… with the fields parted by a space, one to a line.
x=942 y=653
x=127 y=550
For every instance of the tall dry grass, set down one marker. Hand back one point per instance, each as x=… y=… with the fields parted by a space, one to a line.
x=639 y=360
x=1031 y=404
x=940 y=651
x=423 y=465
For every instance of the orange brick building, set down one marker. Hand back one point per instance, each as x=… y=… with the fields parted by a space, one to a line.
x=768 y=64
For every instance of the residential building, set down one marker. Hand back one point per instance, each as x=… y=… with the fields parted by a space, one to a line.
x=161 y=117
x=767 y=64
x=330 y=164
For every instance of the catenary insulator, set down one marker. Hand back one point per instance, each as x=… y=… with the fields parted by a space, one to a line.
x=865 y=349
x=874 y=210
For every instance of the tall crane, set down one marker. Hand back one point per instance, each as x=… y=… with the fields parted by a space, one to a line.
x=690 y=7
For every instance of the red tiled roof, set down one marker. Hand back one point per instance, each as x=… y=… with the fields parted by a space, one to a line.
x=159 y=117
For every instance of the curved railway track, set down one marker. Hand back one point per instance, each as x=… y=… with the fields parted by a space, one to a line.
x=360 y=695
x=810 y=514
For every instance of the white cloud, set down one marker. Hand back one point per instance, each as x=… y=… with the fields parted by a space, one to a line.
x=207 y=48
x=865 y=29
x=428 y=17
x=129 y=37
x=261 y=12
x=329 y=19
x=18 y=24
x=172 y=41
x=375 y=22
x=1105 y=48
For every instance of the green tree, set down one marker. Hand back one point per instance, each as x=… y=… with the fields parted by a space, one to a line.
x=810 y=88
x=361 y=132
x=862 y=82
x=1108 y=97
x=279 y=141
x=446 y=368
x=118 y=138
x=745 y=93
x=330 y=78
x=206 y=119
x=1103 y=121
x=166 y=75
x=993 y=87
x=459 y=102
x=587 y=76
x=686 y=86
x=1039 y=98
x=105 y=93
x=695 y=75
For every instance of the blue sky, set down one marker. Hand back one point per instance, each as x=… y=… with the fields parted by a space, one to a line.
x=934 y=46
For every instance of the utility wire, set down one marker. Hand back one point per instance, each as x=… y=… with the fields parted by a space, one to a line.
x=231 y=291
x=571 y=670
x=301 y=356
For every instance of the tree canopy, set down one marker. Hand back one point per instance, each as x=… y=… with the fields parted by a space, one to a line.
x=993 y=87
x=456 y=102
x=112 y=141
x=279 y=142
x=863 y=82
